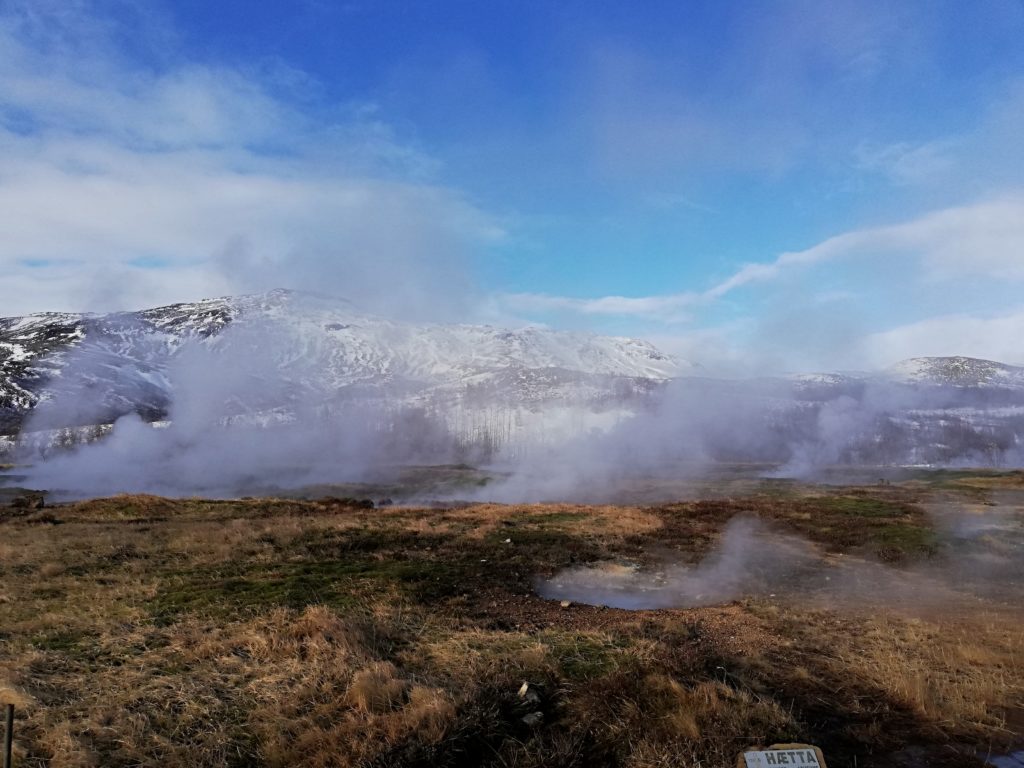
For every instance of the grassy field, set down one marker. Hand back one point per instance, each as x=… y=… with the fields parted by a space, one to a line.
x=142 y=631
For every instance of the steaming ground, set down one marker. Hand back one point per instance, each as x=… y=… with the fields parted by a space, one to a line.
x=749 y=562
x=880 y=621
x=745 y=563
x=980 y=555
x=279 y=392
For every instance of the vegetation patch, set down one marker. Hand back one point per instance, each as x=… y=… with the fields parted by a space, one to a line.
x=257 y=588
x=551 y=519
x=905 y=540
x=582 y=656
x=66 y=641
x=862 y=506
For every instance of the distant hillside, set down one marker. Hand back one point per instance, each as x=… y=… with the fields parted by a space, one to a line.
x=958 y=371
x=301 y=350
x=279 y=357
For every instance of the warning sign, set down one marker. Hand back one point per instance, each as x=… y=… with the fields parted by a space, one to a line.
x=793 y=756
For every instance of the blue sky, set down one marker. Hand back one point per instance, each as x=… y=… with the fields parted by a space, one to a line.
x=785 y=184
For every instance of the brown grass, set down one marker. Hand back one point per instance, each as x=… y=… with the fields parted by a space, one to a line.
x=144 y=631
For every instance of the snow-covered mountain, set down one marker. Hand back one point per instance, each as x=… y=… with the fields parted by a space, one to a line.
x=285 y=349
x=958 y=372
x=276 y=357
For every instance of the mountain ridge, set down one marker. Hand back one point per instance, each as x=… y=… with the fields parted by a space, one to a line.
x=319 y=344
x=272 y=358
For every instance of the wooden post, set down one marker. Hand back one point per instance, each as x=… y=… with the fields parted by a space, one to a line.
x=9 y=736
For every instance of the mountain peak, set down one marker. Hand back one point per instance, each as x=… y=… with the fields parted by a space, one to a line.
x=956 y=370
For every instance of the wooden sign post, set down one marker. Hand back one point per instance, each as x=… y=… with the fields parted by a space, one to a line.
x=9 y=736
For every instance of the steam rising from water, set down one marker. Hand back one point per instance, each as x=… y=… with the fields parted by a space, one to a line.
x=772 y=427
x=747 y=562
x=983 y=556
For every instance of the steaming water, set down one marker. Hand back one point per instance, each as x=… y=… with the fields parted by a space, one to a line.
x=983 y=557
x=749 y=562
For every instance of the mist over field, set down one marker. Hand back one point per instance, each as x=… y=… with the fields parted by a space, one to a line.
x=751 y=560
x=249 y=408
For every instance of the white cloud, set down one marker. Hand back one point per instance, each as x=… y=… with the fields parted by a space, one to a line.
x=995 y=338
x=123 y=186
x=716 y=351
x=908 y=163
x=753 y=102
x=972 y=161
x=669 y=308
x=983 y=240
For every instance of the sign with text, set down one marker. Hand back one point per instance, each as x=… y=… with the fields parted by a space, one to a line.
x=793 y=756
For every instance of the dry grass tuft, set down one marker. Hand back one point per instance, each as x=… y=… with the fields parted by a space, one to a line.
x=951 y=672
x=375 y=689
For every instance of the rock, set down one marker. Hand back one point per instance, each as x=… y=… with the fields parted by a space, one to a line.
x=28 y=501
x=529 y=694
x=566 y=603
x=533 y=719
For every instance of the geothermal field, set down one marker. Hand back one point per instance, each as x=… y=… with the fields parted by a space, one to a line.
x=511 y=384
x=879 y=621
x=274 y=530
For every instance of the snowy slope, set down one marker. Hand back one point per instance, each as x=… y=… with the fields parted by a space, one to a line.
x=957 y=371
x=274 y=357
x=296 y=348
